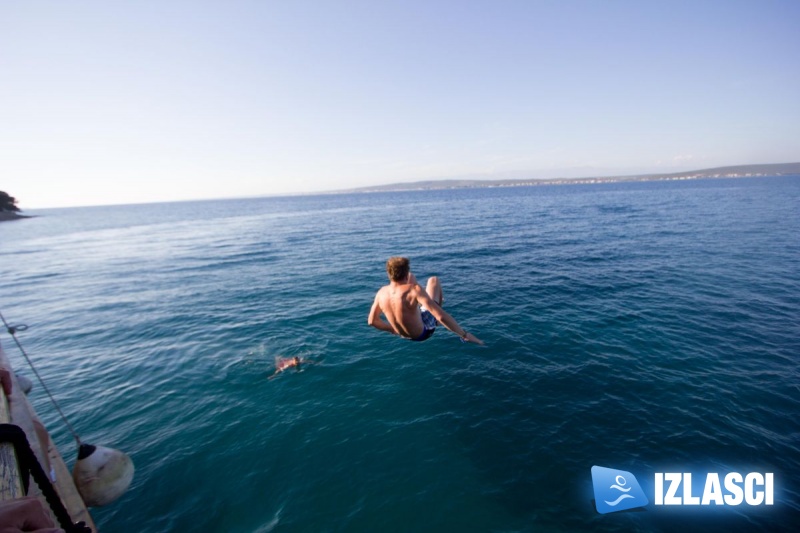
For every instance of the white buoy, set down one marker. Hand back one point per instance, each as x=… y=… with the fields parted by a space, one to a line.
x=101 y=474
x=24 y=383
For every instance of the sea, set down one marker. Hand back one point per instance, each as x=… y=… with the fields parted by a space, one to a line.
x=648 y=327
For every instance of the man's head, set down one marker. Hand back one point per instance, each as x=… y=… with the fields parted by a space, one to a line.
x=398 y=268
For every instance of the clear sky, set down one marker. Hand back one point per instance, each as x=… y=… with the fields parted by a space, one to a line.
x=106 y=102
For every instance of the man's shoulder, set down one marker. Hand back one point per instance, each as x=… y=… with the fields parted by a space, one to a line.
x=416 y=289
x=411 y=288
x=383 y=292
x=398 y=291
x=384 y=289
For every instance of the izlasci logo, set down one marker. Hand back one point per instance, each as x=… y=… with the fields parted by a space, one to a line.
x=616 y=490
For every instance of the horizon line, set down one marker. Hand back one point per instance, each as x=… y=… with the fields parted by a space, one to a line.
x=467 y=181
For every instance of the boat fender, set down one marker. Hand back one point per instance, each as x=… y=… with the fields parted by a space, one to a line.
x=102 y=474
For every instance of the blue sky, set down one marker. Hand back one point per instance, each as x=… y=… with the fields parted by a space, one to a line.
x=127 y=102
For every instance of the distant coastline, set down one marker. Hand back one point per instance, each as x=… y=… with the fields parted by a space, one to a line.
x=742 y=171
x=729 y=172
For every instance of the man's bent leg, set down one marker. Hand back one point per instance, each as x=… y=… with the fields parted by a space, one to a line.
x=434 y=290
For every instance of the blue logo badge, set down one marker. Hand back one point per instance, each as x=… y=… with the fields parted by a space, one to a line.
x=616 y=490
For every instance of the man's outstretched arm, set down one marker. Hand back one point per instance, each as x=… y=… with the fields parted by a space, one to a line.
x=374 y=319
x=444 y=317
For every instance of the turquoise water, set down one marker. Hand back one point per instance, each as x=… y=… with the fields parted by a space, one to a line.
x=646 y=327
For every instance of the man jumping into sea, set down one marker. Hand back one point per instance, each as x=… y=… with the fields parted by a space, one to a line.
x=411 y=311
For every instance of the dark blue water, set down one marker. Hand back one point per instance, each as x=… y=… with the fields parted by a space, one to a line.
x=647 y=327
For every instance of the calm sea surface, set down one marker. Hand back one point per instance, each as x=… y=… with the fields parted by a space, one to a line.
x=650 y=327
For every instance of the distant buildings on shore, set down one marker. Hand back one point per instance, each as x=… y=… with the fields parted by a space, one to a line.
x=748 y=171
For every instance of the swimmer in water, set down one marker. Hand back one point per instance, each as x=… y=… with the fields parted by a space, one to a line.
x=285 y=363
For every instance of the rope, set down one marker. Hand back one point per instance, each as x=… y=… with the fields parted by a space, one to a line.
x=29 y=466
x=12 y=330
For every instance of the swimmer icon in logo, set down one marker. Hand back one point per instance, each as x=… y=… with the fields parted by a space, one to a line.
x=616 y=490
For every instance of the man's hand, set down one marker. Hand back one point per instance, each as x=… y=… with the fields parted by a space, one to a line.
x=469 y=337
x=5 y=380
x=25 y=515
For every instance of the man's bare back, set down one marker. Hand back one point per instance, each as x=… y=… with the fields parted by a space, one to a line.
x=399 y=303
x=411 y=311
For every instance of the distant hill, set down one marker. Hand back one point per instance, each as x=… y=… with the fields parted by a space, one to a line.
x=742 y=171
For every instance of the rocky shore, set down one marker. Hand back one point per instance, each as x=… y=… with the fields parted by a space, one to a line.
x=10 y=215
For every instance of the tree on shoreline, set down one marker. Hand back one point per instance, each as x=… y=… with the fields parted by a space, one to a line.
x=8 y=203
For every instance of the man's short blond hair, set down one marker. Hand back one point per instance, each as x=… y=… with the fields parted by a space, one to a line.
x=398 y=268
